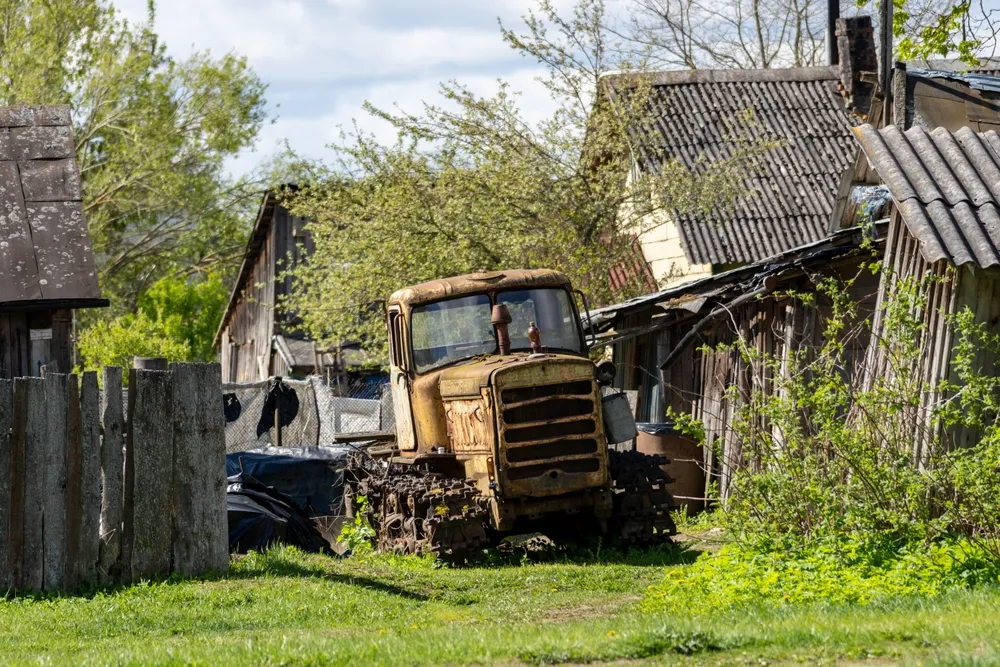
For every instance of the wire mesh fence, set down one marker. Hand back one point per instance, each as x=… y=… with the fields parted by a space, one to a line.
x=310 y=412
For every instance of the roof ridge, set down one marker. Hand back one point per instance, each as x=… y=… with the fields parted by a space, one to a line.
x=776 y=75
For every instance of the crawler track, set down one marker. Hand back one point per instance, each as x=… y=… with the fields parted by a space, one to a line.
x=414 y=512
x=642 y=503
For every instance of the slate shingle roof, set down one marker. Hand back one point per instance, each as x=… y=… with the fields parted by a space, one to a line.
x=701 y=116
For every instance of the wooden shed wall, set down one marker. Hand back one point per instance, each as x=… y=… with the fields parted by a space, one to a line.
x=709 y=383
x=246 y=352
x=947 y=290
x=21 y=356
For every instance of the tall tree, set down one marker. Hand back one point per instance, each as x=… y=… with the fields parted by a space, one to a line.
x=152 y=135
x=745 y=34
x=471 y=185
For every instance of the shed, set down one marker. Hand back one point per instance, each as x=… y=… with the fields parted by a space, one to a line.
x=945 y=226
x=670 y=345
x=256 y=339
x=47 y=267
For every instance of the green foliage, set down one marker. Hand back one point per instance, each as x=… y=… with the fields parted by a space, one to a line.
x=188 y=310
x=116 y=342
x=357 y=535
x=845 y=571
x=152 y=135
x=470 y=185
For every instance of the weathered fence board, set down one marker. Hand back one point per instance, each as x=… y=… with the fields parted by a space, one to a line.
x=74 y=485
x=201 y=542
x=112 y=470
x=54 y=498
x=90 y=520
x=31 y=429
x=148 y=475
x=6 y=406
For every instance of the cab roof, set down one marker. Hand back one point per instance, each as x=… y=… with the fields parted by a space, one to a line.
x=478 y=283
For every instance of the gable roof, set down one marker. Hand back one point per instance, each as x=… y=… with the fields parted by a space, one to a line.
x=790 y=190
x=46 y=256
x=946 y=187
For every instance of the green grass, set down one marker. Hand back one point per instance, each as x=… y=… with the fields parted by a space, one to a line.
x=288 y=608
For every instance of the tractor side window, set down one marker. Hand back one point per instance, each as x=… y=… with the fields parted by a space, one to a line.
x=395 y=340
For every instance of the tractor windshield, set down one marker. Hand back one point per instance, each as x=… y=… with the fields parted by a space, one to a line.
x=455 y=329
x=448 y=331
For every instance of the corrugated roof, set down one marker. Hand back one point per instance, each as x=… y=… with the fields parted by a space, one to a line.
x=946 y=187
x=45 y=250
x=702 y=116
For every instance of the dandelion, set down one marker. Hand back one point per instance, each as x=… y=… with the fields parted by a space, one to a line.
x=612 y=633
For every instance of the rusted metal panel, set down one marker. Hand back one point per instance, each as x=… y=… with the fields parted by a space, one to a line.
x=470 y=425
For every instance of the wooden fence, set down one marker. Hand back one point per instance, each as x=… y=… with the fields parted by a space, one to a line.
x=93 y=492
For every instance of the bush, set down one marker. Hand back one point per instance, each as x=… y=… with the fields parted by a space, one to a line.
x=116 y=342
x=845 y=571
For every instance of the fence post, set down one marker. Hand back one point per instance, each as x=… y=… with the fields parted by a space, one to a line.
x=54 y=476
x=112 y=470
x=29 y=433
x=6 y=406
x=90 y=505
x=200 y=539
x=148 y=476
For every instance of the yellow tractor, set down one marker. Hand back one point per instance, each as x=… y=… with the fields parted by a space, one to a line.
x=500 y=423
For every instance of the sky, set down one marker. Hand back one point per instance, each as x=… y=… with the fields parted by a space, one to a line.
x=322 y=59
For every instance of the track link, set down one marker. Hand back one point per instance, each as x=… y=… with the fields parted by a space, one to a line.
x=642 y=503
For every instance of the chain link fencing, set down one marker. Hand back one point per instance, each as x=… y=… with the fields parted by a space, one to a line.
x=311 y=412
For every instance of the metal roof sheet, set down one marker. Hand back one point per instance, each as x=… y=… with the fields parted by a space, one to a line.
x=946 y=187
x=45 y=250
x=701 y=117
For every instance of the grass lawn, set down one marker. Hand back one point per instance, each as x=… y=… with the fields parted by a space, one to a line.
x=289 y=608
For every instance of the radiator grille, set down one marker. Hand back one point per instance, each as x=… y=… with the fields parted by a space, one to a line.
x=550 y=427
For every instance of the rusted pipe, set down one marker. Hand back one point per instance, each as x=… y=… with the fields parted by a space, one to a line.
x=535 y=337
x=500 y=318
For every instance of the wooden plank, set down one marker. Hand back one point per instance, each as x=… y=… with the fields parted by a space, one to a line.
x=66 y=268
x=35 y=433
x=55 y=476
x=50 y=180
x=45 y=142
x=6 y=406
x=17 y=252
x=74 y=485
x=112 y=470
x=200 y=527
x=18 y=436
x=61 y=345
x=148 y=478
x=90 y=498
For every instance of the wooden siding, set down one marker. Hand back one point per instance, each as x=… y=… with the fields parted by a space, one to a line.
x=709 y=382
x=246 y=350
x=20 y=356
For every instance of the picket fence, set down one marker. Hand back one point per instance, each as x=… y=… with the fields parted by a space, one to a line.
x=94 y=491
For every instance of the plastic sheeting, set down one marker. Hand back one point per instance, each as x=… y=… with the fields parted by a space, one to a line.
x=313 y=477
x=261 y=516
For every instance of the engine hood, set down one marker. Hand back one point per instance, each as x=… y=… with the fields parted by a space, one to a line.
x=467 y=380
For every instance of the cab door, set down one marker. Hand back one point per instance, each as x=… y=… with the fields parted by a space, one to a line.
x=399 y=381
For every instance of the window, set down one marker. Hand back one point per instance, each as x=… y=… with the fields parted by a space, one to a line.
x=444 y=332
x=395 y=340
x=552 y=312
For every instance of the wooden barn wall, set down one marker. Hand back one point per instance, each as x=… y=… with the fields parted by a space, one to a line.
x=21 y=356
x=246 y=353
x=710 y=383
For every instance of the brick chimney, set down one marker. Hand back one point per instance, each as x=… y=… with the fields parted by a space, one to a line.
x=858 y=62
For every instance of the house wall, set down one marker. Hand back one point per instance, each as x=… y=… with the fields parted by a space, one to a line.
x=661 y=246
x=31 y=339
x=246 y=352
